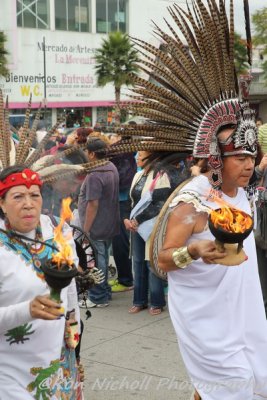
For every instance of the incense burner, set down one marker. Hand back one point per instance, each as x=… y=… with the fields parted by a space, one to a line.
x=226 y=236
x=58 y=278
x=230 y=229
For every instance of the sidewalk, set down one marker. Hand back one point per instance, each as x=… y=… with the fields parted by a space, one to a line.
x=131 y=356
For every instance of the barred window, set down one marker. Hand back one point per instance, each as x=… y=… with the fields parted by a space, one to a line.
x=33 y=14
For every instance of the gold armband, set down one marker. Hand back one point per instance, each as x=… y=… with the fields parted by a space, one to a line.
x=181 y=257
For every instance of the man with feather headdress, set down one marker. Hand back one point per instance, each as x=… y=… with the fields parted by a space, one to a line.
x=194 y=104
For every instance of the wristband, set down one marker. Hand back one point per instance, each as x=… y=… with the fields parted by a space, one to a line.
x=181 y=257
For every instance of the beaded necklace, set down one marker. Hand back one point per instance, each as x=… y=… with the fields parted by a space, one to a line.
x=36 y=250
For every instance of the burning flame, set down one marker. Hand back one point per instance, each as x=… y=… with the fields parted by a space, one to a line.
x=64 y=256
x=231 y=219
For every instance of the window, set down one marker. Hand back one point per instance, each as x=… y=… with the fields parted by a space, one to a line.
x=72 y=15
x=33 y=14
x=111 y=15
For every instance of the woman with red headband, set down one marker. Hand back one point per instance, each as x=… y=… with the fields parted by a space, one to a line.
x=35 y=362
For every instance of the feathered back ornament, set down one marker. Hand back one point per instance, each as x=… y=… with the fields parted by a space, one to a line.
x=24 y=154
x=192 y=90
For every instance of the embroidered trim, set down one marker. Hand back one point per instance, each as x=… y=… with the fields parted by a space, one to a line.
x=190 y=197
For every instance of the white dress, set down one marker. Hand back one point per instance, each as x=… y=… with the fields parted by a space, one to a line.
x=218 y=315
x=34 y=364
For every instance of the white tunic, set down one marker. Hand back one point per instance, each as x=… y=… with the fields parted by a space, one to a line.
x=218 y=315
x=30 y=349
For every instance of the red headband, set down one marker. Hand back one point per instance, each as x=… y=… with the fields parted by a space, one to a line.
x=27 y=177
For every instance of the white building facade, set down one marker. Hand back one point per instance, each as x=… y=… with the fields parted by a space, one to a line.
x=51 y=45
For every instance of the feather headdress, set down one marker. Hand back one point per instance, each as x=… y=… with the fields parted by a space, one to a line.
x=192 y=90
x=24 y=154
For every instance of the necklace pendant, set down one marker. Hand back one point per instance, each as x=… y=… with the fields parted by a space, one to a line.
x=36 y=261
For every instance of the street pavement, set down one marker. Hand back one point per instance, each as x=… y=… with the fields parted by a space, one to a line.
x=131 y=356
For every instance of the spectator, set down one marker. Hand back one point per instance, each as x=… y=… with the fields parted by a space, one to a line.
x=164 y=180
x=261 y=245
x=100 y=136
x=259 y=122
x=79 y=136
x=99 y=216
x=126 y=166
x=262 y=137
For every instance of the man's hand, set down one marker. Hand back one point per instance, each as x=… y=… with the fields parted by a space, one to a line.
x=205 y=249
x=263 y=163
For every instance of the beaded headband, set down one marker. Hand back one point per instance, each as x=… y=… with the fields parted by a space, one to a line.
x=27 y=178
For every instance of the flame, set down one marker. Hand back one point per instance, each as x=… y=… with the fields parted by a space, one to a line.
x=65 y=255
x=231 y=219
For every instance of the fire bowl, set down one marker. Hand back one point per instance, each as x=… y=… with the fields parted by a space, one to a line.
x=224 y=236
x=58 y=278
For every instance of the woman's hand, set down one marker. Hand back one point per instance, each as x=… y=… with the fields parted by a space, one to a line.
x=42 y=307
x=131 y=225
x=205 y=249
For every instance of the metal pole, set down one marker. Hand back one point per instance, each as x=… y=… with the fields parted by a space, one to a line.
x=44 y=62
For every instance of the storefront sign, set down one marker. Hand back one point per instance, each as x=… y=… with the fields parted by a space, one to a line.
x=70 y=73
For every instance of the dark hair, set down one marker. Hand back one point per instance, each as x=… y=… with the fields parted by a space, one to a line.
x=82 y=134
x=97 y=146
x=76 y=157
x=11 y=170
x=161 y=161
x=203 y=164
x=4 y=174
x=84 y=131
x=226 y=126
x=49 y=145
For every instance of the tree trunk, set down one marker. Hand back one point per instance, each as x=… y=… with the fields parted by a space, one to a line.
x=117 y=106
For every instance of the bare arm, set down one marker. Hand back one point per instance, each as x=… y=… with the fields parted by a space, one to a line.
x=183 y=222
x=90 y=214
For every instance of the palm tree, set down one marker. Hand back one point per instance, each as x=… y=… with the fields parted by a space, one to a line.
x=115 y=60
x=3 y=54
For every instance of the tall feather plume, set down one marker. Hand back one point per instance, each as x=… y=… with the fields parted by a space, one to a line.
x=7 y=134
x=248 y=32
x=24 y=133
x=56 y=172
x=31 y=137
x=39 y=150
x=2 y=132
x=48 y=160
x=190 y=72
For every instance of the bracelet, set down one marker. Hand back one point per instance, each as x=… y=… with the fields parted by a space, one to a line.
x=181 y=257
x=134 y=221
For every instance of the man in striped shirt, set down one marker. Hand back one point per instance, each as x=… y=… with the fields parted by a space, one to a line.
x=263 y=138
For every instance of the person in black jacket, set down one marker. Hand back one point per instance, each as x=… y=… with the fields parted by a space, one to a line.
x=126 y=166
